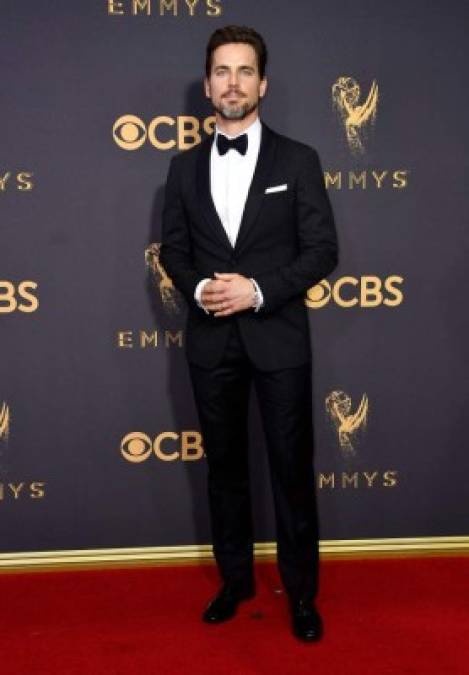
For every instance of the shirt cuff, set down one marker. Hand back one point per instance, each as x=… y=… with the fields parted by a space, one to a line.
x=198 y=294
x=259 y=296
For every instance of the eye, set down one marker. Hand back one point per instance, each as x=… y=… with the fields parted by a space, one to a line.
x=129 y=132
x=136 y=447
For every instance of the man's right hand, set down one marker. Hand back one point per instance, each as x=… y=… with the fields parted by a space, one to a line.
x=213 y=294
x=228 y=294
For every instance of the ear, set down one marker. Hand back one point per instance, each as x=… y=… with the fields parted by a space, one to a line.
x=207 y=87
x=263 y=87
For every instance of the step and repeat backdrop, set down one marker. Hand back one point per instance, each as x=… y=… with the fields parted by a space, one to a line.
x=99 y=440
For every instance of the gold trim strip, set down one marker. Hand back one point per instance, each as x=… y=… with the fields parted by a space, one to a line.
x=160 y=555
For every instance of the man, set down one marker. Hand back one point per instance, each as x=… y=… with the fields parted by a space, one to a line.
x=247 y=229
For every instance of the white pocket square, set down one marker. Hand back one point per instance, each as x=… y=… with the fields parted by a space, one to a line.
x=276 y=188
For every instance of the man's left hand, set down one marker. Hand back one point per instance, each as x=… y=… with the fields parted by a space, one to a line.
x=237 y=296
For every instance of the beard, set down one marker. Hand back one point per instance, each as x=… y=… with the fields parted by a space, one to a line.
x=236 y=112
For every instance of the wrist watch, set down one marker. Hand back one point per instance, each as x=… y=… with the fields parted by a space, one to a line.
x=257 y=297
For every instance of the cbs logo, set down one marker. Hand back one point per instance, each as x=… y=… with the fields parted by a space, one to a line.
x=163 y=132
x=18 y=297
x=366 y=291
x=136 y=447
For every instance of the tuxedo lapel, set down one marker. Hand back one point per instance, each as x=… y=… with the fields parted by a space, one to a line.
x=205 y=196
x=264 y=165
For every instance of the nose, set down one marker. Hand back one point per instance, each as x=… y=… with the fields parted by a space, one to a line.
x=233 y=79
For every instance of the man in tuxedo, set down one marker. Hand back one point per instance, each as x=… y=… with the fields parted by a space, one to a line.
x=247 y=229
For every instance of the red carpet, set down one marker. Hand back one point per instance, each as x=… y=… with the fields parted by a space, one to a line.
x=397 y=616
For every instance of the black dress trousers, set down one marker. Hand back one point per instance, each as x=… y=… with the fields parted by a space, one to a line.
x=285 y=401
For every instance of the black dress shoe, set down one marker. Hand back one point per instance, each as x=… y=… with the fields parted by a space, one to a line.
x=224 y=605
x=306 y=622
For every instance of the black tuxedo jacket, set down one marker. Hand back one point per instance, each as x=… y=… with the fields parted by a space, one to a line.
x=287 y=242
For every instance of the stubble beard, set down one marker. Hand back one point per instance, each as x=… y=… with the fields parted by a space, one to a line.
x=238 y=112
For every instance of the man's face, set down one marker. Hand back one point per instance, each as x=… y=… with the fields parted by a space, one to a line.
x=234 y=85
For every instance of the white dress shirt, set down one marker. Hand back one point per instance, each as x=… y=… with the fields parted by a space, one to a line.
x=230 y=179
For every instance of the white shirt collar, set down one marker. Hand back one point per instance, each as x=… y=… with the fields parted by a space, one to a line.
x=253 y=131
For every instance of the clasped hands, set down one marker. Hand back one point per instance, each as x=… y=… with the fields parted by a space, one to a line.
x=227 y=294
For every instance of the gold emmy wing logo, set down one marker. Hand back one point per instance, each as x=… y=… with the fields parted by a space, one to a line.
x=339 y=406
x=168 y=293
x=355 y=117
x=4 y=422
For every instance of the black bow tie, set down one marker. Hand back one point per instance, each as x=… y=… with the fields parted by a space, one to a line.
x=240 y=143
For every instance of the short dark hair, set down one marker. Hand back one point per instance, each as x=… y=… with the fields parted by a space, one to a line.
x=227 y=34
